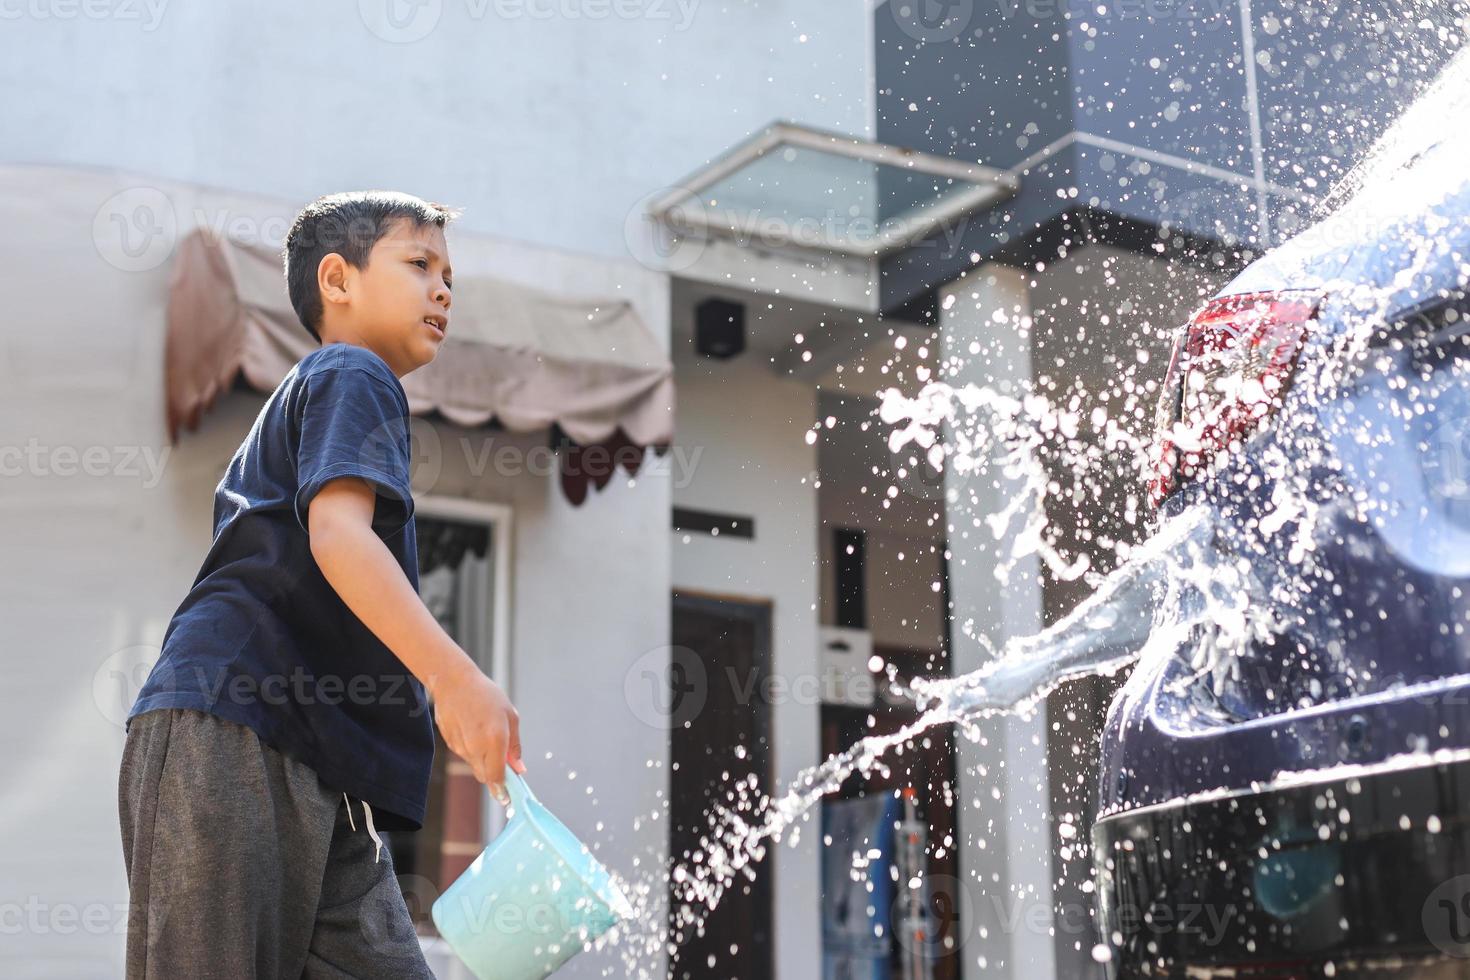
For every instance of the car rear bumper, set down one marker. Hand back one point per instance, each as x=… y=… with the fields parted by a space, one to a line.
x=1357 y=871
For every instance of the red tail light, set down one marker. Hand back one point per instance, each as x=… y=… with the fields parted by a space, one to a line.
x=1230 y=368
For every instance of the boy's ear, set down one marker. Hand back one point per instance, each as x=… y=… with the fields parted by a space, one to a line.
x=332 y=275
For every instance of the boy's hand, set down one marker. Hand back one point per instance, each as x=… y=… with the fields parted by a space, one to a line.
x=479 y=725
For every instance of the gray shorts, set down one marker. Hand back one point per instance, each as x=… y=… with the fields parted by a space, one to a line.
x=242 y=863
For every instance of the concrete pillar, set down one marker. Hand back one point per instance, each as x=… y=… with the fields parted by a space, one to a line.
x=1002 y=798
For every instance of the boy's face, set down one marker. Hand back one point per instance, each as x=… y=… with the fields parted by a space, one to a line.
x=394 y=304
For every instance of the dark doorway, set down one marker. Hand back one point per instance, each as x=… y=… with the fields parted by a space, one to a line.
x=722 y=650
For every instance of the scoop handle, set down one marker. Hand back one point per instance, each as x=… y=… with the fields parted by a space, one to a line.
x=519 y=792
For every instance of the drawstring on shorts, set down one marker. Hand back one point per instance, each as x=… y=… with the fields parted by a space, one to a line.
x=367 y=813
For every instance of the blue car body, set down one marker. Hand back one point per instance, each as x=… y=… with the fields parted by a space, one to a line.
x=1311 y=786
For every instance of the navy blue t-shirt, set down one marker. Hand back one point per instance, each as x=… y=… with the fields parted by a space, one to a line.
x=262 y=639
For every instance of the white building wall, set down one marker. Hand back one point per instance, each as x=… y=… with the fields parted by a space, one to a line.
x=747 y=426
x=548 y=129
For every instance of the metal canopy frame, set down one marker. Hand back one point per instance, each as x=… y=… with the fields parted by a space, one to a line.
x=992 y=186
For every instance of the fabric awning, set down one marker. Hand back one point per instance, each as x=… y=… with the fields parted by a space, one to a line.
x=587 y=369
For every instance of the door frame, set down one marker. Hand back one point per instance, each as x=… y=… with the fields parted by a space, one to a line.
x=499 y=518
x=760 y=611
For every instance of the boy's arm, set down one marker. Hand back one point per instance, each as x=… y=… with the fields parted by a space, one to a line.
x=477 y=720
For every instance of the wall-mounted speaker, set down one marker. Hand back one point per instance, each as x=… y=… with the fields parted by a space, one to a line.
x=719 y=328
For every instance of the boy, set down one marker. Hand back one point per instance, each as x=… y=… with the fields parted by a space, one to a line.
x=289 y=701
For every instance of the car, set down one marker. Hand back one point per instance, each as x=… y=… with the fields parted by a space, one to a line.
x=1287 y=793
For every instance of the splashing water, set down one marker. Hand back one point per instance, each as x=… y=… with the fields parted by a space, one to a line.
x=1175 y=587
x=1166 y=587
x=1177 y=591
x=1109 y=631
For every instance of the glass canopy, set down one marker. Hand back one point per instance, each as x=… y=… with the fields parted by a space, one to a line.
x=795 y=186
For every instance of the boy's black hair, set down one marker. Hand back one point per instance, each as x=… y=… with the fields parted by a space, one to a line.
x=350 y=224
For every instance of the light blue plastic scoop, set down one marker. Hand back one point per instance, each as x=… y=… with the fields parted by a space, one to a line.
x=532 y=899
